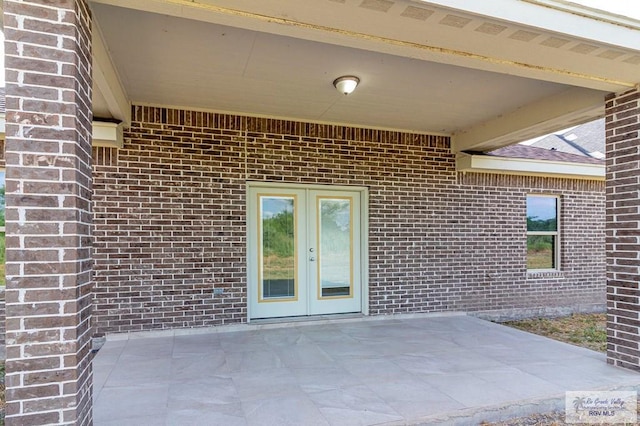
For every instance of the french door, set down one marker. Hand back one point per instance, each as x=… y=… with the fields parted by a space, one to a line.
x=304 y=251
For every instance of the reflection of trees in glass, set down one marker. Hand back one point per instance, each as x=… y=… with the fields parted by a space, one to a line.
x=542 y=232
x=335 y=224
x=278 y=247
x=540 y=242
x=278 y=235
x=535 y=224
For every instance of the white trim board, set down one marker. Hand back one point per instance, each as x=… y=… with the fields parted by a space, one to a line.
x=104 y=133
x=107 y=134
x=520 y=166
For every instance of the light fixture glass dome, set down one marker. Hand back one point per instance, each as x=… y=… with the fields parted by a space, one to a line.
x=346 y=84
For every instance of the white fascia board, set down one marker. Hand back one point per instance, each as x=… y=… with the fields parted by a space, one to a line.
x=559 y=16
x=107 y=134
x=520 y=166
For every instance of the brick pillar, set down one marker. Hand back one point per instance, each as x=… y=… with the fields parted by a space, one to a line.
x=48 y=213
x=623 y=229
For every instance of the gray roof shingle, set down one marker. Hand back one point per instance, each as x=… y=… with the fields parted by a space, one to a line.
x=585 y=139
x=534 y=153
x=582 y=144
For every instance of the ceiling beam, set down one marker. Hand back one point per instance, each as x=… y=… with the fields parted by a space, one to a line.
x=107 y=81
x=572 y=107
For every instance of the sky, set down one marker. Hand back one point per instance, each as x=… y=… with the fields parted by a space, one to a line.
x=630 y=8
x=541 y=208
x=273 y=205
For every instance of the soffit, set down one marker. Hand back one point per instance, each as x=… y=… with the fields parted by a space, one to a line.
x=434 y=32
x=175 y=61
x=424 y=67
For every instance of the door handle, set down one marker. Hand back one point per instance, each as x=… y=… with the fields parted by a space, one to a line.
x=312 y=259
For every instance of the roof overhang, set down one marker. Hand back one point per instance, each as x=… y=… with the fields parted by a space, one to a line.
x=527 y=167
x=486 y=73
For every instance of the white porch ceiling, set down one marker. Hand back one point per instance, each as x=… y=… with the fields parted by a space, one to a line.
x=423 y=67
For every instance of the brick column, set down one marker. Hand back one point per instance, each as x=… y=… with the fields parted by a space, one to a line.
x=623 y=229
x=48 y=213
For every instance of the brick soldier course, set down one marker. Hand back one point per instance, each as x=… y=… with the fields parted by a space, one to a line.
x=48 y=213
x=623 y=229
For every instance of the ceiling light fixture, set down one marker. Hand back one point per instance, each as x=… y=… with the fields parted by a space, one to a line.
x=346 y=84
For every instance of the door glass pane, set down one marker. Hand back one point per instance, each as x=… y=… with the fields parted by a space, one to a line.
x=335 y=251
x=277 y=251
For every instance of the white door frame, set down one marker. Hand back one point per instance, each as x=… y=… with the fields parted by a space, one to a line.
x=364 y=232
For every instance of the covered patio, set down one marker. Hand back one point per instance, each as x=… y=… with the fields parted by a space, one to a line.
x=411 y=369
x=147 y=142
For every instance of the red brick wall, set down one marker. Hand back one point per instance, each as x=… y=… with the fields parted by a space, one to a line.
x=2 y=301
x=170 y=221
x=623 y=229
x=48 y=212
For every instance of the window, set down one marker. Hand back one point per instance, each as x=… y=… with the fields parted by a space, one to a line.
x=542 y=232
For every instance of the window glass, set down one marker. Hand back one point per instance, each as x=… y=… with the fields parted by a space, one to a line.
x=542 y=232
x=335 y=255
x=542 y=213
x=277 y=251
x=541 y=252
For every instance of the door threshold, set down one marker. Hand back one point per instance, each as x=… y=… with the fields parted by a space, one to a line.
x=307 y=318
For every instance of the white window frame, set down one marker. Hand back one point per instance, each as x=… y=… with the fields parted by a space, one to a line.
x=556 y=234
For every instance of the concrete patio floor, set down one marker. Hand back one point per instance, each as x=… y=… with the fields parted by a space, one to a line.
x=448 y=369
